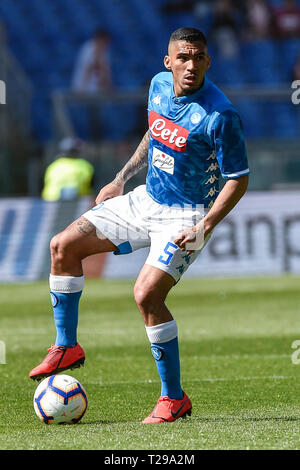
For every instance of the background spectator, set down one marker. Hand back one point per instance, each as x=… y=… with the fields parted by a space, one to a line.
x=259 y=19
x=225 y=28
x=287 y=20
x=69 y=176
x=92 y=71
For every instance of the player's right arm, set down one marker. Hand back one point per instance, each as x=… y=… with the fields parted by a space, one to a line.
x=137 y=162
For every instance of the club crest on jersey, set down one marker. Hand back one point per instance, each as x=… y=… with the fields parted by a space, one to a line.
x=163 y=161
x=195 y=118
x=167 y=132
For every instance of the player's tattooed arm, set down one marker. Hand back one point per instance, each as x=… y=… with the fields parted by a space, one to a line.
x=137 y=162
x=133 y=166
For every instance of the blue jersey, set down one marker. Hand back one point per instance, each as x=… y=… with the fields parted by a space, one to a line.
x=193 y=140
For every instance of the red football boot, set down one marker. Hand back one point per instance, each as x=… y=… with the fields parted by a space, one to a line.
x=59 y=358
x=168 y=410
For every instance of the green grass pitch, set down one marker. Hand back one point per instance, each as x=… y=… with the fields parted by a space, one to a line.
x=236 y=365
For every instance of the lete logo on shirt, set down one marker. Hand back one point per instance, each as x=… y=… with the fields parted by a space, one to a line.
x=167 y=132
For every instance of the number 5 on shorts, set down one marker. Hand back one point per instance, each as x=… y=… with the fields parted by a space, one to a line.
x=169 y=255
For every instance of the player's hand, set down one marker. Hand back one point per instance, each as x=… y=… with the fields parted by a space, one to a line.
x=191 y=239
x=109 y=191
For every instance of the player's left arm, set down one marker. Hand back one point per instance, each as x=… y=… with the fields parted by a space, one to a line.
x=227 y=140
x=232 y=192
x=229 y=196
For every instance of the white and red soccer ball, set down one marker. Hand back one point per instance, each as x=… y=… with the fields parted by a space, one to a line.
x=60 y=399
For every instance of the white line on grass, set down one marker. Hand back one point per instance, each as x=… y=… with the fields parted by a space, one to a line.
x=206 y=357
x=205 y=379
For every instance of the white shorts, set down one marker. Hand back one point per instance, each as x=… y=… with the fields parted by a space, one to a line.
x=135 y=220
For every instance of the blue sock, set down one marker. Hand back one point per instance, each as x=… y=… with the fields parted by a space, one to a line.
x=65 y=311
x=166 y=356
x=65 y=293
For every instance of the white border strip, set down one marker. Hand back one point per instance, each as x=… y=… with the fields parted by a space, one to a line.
x=234 y=175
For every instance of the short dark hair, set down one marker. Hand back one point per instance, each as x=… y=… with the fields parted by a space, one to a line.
x=101 y=33
x=189 y=35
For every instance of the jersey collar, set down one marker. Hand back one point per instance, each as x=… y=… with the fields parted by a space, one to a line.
x=190 y=98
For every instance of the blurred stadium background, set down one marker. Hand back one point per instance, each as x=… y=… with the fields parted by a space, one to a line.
x=255 y=49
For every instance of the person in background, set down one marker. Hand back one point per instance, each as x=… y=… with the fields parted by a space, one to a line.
x=225 y=31
x=92 y=72
x=92 y=77
x=259 y=19
x=287 y=20
x=69 y=176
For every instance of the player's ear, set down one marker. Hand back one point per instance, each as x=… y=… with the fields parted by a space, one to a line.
x=167 y=62
x=208 y=62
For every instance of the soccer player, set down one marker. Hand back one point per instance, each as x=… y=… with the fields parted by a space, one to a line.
x=194 y=137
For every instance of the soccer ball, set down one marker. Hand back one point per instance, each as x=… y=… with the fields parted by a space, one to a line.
x=60 y=399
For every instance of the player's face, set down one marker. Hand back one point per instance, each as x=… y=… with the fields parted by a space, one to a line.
x=188 y=63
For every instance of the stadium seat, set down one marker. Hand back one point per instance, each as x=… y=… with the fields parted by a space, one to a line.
x=282 y=119
x=252 y=117
x=259 y=59
x=290 y=50
x=226 y=71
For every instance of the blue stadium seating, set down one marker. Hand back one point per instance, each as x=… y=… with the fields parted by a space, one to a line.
x=289 y=51
x=228 y=72
x=259 y=60
x=45 y=36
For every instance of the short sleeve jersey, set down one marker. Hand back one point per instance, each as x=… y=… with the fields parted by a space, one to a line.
x=193 y=140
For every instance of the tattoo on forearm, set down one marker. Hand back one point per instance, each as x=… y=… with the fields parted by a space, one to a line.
x=84 y=226
x=136 y=163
